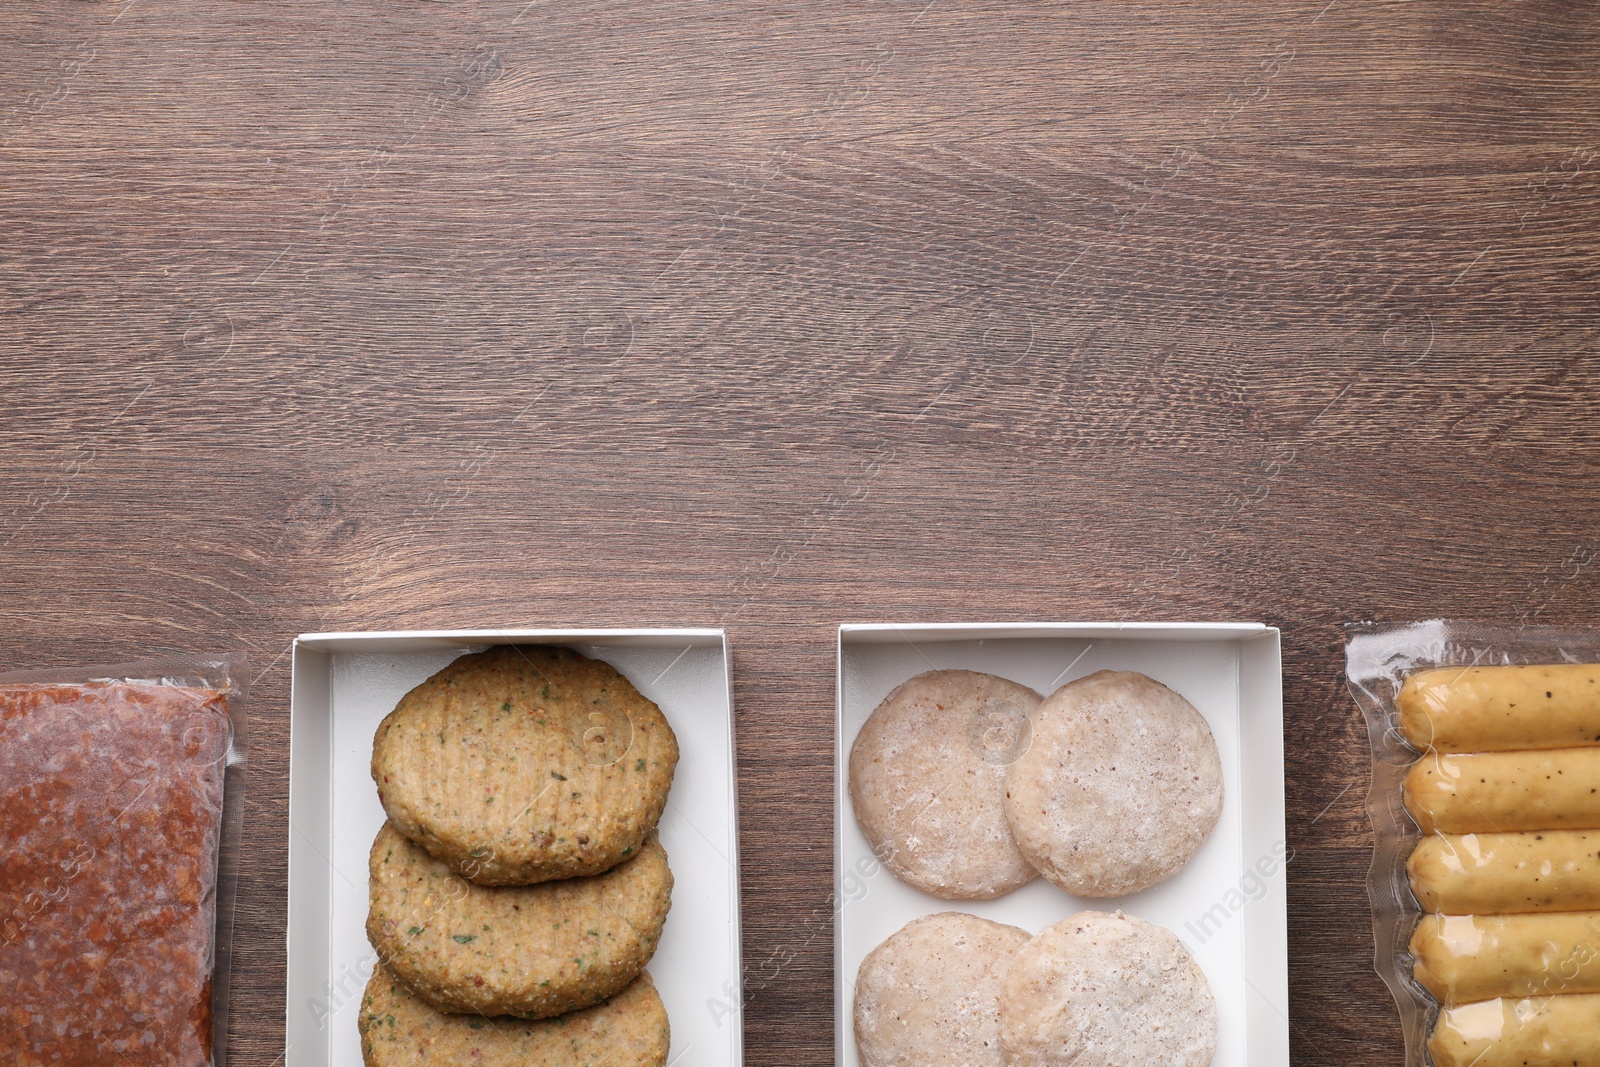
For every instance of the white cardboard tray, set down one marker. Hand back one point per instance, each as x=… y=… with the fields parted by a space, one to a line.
x=1227 y=905
x=344 y=684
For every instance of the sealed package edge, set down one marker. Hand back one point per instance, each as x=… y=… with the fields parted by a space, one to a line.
x=120 y=795
x=1485 y=809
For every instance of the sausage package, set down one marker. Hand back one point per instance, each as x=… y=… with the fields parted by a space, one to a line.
x=1485 y=809
x=120 y=799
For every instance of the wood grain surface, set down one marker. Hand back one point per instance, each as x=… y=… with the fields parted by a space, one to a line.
x=391 y=313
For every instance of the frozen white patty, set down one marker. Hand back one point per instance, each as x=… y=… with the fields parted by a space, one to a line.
x=929 y=995
x=1100 y=990
x=1121 y=785
x=927 y=782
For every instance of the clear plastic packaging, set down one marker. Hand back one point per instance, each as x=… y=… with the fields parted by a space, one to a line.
x=1560 y=955
x=121 y=794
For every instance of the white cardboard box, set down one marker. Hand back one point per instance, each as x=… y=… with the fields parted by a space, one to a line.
x=1227 y=905
x=344 y=684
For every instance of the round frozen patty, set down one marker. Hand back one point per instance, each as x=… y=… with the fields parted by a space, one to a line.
x=929 y=995
x=531 y=951
x=1100 y=990
x=927 y=782
x=400 y=1030
x=1121 y=785
x=523 y=764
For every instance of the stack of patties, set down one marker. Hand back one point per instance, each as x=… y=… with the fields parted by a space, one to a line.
x=518 y=888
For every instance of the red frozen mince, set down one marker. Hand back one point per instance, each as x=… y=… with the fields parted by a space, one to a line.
x=110 y=824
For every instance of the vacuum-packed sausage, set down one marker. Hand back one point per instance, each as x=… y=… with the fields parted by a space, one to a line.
x=1463 y=958
x=1561 y=1031
x=1504 y=792
x=1484 y=709
x=1496 y=874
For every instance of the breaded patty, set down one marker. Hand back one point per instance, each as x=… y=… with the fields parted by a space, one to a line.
x=400 y=1030
x=531 y=951
x=525 y=763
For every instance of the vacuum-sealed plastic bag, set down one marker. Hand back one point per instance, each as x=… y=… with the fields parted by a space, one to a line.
x=120 y=798
x=1485 y=808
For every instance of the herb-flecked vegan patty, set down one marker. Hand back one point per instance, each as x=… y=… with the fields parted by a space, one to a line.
x=525 y=763
x=400 y=1030
x=531 y=951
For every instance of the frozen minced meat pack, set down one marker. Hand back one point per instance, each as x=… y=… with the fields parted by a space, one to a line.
x=111 y=823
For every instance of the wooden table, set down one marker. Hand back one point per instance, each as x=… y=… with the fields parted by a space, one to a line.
x=772 y=316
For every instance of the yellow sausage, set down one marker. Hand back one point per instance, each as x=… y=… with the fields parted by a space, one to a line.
x=1489 y=792
x=1488 y=709
x=1493 y=874
x=1463 y=958
x=1559 y=1031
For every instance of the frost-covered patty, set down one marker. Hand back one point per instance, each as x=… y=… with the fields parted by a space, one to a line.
x=524 y=763
x=531 y=951
x=928 y=996
x=927 y=782
x=1101 y=990
x=400 y=1030
x=1121 y=785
